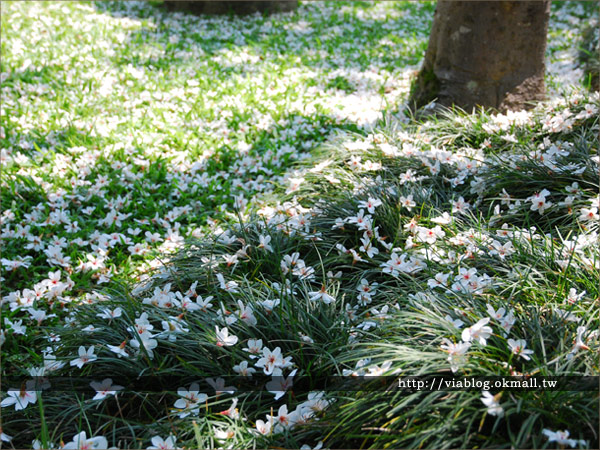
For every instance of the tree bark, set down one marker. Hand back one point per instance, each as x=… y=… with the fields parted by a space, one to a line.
x=485 y=53
x=235 y=7
x=589 y=57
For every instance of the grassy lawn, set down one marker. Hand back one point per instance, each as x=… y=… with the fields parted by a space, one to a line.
x=244 y=200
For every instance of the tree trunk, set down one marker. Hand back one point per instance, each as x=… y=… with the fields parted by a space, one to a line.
x=589 y=56
x=235 y=7
x=484 y=53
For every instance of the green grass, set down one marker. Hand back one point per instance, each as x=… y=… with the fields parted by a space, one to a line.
x=176 y=144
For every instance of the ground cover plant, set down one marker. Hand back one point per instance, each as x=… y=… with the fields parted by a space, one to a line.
x=190 y=201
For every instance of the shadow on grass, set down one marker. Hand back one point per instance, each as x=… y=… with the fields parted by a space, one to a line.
x=317 y=42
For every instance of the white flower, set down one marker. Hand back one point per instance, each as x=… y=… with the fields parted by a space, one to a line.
x=579 y=343
x=85 y=356
x=172 y=327
x=460 y=206
x=498 y=315
x=290 y=262
x=456 y=353
x=430 y=235
x=477 y=332
x=5 y=437
x=189 y=401
x=491 y=401
x=294 y=184
x=146 y=342
x=365 y=292
x=440 y=280
x=319 y=446
x=264 y=243
x=321 y=295
x=508 y=321
x=518 y=348
x=269 y=305
x=355 y=163
x=204 y=303
x=21 y=399
x=105 y=388
x=502 y=250
x=279 y=384
x=230 y=286
x=305 y=338
x=110 y=314
x=367 y=247
x=272 y=360
x=246 y=314
x=119 y=349
x=283 y=419
x=223 y=337
x=408 y=203
x=574 y=297
x=16 y=326
x=370 y=204
x=567 y=316
x=377 y=371
x=223 y=435
x=361 y=220
x=444 y=219
x=159 y=443
x=316 y=401
x=254 y=347
x=243 y=369
x=589 y=214
x=80 y=442
x=232 y=412
x=218 y=385
x=264 y=428
x=538 y=201
x=455 y=322
x=304 y=272
x=562 y=438
x=142 y=324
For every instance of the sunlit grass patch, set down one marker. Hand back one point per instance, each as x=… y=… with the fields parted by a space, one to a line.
x=184 y=196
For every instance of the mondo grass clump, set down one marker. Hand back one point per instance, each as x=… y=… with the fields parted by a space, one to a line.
x=222 y=232
x=406 y=252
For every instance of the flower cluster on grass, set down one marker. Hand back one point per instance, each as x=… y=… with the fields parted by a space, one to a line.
x=134 y=139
